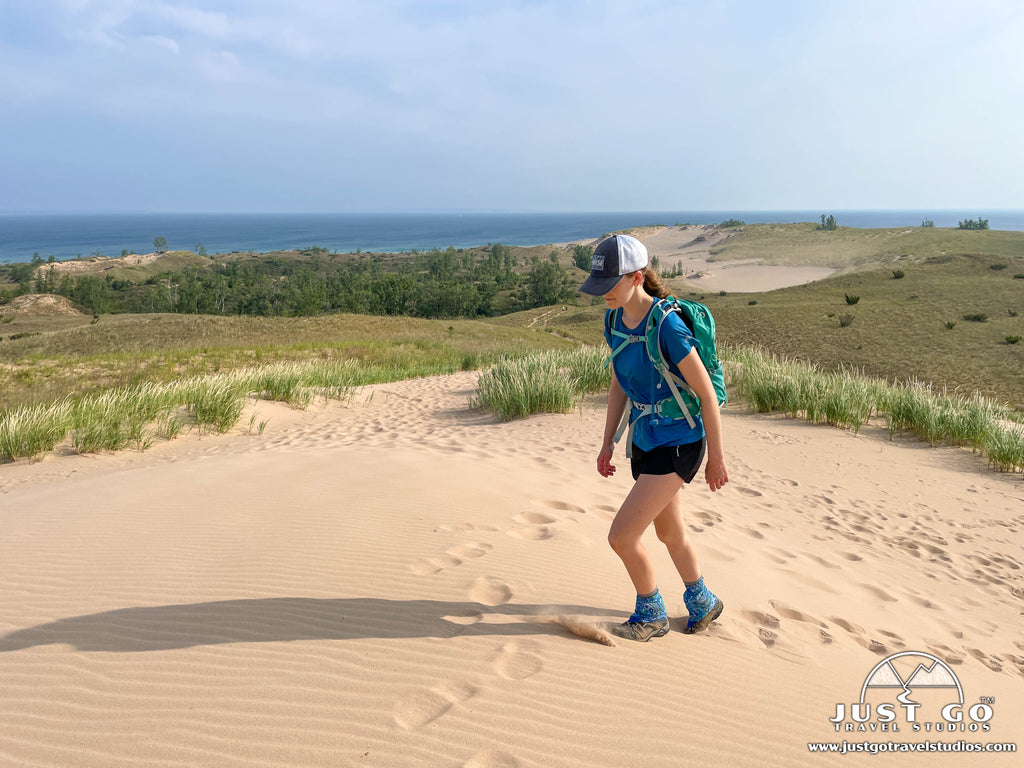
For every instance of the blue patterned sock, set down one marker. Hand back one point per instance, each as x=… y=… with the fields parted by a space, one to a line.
x=699 y=600
x=649 y=608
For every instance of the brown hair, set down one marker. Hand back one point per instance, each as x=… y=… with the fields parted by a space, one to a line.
x=653 y=284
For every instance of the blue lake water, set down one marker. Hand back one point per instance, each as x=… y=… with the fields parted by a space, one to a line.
x=66 y=236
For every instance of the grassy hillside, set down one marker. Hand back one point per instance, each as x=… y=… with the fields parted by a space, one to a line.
x=896 y=330
x=63 y=355
x=806 y=245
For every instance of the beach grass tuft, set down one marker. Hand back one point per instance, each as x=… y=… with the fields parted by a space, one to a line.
x=848 y=399
x=548 y=382
x=29 y=432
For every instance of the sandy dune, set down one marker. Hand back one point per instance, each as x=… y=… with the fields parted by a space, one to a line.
x=690 y=248
x=401 y=581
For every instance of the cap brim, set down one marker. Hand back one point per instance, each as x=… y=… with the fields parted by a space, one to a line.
x=599 y=286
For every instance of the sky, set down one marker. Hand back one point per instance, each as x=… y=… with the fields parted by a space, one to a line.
x=509 y=105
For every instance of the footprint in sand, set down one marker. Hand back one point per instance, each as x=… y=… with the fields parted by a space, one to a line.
x=849 y=626
x=708 y=518
x=428 y=566
x=535 y=518
x=490 y=591
x=761 y=619
x=538 y=522
x=491 y=759
x=517 y=661
x=423 y=707
x=470 y=550
x=881 y=594
x=533 y=533
x=874 y=646
x=792 y=613
x=748 y=491
x=563 y=506
x=767 y=637
x=945 y=653
x=992 y=662
x=823 y=562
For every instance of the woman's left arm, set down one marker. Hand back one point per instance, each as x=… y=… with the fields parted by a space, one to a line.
x=696 y=375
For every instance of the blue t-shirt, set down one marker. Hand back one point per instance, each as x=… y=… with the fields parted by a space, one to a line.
x=642 y=383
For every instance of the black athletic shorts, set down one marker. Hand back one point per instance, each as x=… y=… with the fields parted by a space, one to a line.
x=684 y=460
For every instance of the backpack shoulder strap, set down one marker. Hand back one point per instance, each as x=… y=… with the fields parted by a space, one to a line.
x=611 y=320
x=654 y=325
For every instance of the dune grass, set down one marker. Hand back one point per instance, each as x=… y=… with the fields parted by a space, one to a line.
x=549 y=382
x=134 y=416
x=555 y=382
x=848 y=399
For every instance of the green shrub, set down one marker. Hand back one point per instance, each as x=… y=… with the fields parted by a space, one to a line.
x=898 y=274
x=1012 y=339
x=851 y=300
x=950 y=325
x=997 y=267
x=978 y=223
x=845 y=321
x=729 y=223
x=976 y=317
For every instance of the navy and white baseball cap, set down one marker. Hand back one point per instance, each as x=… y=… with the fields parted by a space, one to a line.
x=614 y=257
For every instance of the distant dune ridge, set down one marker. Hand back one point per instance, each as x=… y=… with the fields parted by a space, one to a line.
x=404 y=581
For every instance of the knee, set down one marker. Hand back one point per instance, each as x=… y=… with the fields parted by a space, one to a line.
x=671 y=537
x=619 y=542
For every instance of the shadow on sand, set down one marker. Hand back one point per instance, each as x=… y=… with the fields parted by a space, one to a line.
x=283 y=619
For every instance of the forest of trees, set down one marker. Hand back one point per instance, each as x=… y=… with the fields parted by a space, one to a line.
x=434 y=284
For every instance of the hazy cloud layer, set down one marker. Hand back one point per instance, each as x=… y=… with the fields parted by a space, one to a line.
x=392 y=105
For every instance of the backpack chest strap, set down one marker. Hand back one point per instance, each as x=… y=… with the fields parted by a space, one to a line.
x=627 y=339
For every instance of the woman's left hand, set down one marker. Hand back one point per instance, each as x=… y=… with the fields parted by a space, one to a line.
x=715 y=473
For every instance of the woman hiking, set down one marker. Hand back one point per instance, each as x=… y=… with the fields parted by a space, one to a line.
x=666 y=448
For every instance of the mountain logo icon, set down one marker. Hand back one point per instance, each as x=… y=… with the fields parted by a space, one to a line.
x=919 y=670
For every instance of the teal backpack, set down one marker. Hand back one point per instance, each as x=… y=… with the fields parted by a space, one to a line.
x=682 y=403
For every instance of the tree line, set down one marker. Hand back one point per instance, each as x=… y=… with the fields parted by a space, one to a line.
x=433 y=284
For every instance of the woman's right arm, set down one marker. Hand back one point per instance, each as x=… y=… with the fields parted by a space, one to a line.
x=613 y=416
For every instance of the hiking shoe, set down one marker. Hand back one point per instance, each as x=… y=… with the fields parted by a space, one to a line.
x=641 y=631
x=702 y=605
x=695 y=624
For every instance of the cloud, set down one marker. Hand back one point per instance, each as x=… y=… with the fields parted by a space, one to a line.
x=536 y=103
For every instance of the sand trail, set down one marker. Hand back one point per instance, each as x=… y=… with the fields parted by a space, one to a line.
x=403 y=581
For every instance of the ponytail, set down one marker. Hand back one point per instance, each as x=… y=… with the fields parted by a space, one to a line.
x=653 y=284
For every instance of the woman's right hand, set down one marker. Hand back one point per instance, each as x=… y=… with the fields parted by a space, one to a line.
x=605 y=468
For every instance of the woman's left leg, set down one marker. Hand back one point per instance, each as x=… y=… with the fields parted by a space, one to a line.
x=672 y=533
x=701 y=603
x=644 y=504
